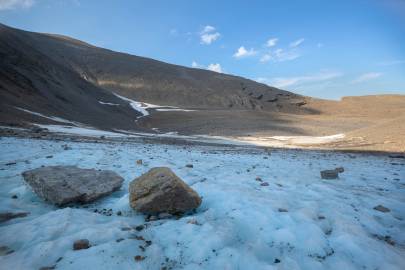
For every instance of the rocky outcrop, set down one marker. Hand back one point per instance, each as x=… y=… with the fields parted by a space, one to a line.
x=61 y=185
x=161 y=191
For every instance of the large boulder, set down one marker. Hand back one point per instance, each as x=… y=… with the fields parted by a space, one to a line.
x=161 y=191
x=61 y=185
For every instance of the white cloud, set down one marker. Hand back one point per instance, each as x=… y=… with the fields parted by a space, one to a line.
x=173 y=32
x=367 y=77
x=280 y=55
x=13 y=4
x=271 y=42
x=391 y=63
x=294 y=81
x=209 y=35
x=194 y=64
x=297 y=43
x=215 y=67
x=242 y=52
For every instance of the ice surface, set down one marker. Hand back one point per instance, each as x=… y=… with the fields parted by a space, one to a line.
x=329 y=224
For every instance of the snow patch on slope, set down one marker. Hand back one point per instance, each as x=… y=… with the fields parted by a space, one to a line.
x=53 y=118
x=143 y=107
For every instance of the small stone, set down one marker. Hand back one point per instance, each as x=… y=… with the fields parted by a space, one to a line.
x=11 y=163
x=259 y=179
x=139 y=258
x=81 y=244
x=14 y=197
x=282 y=210
x=139 y=228
x=277 y=261
x=321 y=217
x=193 y=221
x=329 y=174
x=139 y=162
x=49 y=156
x=47 y=268
x=119 y=240
x=382 y=208
x=4 y=250
x=264 y=184
x=340 y=169
x=152 y=218
x=189 y=166
x=119 y=213
x=125 y=229
x=165 y=216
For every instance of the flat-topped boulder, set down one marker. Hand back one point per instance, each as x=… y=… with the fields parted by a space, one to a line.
x=161 y=191
x=62 y=185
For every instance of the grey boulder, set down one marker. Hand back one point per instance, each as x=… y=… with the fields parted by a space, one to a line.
x=161 y=191
x=61 y=185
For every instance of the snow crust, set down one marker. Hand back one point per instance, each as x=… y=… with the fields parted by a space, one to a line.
x=329 y=224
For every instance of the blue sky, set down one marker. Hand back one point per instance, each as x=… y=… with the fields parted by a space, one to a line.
x=318 y=48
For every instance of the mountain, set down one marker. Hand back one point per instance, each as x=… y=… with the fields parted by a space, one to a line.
x=57 y=76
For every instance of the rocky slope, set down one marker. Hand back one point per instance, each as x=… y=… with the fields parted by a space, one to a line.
x=67 y=78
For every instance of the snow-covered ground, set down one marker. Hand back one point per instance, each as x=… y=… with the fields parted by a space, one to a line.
x=298 y=221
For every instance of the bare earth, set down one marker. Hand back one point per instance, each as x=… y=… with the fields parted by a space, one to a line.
x=370 y=123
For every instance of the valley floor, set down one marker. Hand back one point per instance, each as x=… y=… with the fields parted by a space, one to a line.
x=297 y=221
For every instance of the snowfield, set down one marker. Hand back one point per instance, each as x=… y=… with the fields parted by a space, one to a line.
x=298 y=221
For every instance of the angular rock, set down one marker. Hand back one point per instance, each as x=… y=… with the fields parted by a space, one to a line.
x=329 y=174
x=61 y=185
x=161 y=191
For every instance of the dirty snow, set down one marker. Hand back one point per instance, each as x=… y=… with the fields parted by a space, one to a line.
x=330 y=224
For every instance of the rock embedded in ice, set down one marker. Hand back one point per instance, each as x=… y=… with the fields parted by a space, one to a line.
x=9 y=215
x=81 y=244
x=382 y=208
x=161 y=191
x=329 y=174
x=61 y=185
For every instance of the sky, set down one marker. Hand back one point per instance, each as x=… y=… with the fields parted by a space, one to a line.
x=325 y=49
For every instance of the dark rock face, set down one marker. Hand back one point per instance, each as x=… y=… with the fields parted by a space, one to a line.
x=161 y=191
x=61 y=185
